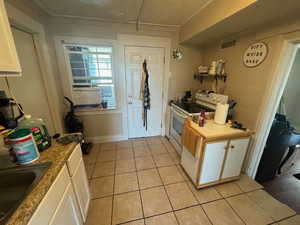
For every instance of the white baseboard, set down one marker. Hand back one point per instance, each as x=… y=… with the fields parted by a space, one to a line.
x=103 y=139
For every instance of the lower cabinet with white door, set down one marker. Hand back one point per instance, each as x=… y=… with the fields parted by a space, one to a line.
x=79 y=181
x=214 y=159
x=68 y=198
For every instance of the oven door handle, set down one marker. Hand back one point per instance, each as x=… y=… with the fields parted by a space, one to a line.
x=179 y=114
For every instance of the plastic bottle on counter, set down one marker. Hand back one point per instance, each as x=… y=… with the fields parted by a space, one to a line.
x=38 y=129
x=202 y=119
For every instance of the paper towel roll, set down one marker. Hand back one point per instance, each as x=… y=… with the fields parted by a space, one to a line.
x=221 y=113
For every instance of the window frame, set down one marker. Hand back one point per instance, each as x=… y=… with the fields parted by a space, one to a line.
x=113 y=69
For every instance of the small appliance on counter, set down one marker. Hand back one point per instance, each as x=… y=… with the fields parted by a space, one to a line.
x=187 y=97
x=8 y=119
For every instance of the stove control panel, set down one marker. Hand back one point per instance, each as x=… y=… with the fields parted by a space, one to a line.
x=211 y=98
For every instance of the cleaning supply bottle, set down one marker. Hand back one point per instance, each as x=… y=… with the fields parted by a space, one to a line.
x=38 y=129
x=24 y=146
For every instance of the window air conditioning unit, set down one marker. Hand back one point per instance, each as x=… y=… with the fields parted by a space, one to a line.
x=88 y=96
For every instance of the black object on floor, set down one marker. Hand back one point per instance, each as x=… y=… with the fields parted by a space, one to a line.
x=74 y=124
x=281 y=138
x=86 y=147
x=297 y=175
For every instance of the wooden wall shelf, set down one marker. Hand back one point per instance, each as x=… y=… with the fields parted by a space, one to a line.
x=205 y=76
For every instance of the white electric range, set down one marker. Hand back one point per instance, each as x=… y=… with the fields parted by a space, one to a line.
x=180 y=111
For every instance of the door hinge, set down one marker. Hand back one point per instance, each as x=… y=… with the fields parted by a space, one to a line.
x=164 y=59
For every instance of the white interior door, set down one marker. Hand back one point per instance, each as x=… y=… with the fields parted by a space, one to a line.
x=134 y=57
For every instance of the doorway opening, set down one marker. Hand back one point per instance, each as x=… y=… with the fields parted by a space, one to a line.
x=279 y=167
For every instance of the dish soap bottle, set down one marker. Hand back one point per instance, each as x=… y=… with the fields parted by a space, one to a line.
x=38 y=129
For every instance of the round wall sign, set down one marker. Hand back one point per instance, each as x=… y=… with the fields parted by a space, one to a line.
x=255 y=54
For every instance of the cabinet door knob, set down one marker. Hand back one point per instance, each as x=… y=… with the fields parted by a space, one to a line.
x=232 y=146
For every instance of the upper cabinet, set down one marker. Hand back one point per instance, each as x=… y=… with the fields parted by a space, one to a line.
x=9 y=62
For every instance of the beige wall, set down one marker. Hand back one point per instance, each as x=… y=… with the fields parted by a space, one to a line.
x=103 y=125
x=181 y=71
x=248 y=86
x=26 y=15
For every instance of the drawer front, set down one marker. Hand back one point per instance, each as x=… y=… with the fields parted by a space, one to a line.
x=48 y=205
x=74 y=160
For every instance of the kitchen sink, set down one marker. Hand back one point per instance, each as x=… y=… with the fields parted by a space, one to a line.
x=15 y=184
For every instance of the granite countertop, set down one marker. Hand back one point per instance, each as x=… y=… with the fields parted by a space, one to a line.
x=58 y=155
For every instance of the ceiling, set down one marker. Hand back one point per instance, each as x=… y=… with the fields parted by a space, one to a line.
x=161 y=12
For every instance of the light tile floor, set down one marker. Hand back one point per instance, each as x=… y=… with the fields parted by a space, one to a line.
x=140 y=182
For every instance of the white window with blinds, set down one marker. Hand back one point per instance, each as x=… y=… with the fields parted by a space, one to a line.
x=91 y=74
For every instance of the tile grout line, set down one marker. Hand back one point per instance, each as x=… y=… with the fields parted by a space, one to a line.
x=113 y=197
x=141 y=200
x=164 y=185
x=231 y=206
x=161 y=186
x=164 y=189
x=206 y=214
x=235 y=211
x=116 y=194
x=168 y=198
x=95 y=163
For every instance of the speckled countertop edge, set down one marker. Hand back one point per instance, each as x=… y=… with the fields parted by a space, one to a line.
x=58 y=155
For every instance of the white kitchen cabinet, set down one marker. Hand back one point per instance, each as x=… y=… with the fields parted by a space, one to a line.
x=189 y=163
x=48 y=205
x=235 y=157
x=79 y=180
x=67 y=200
x=81 y=188
x=67 y=212
x=212 y=162
x=215 y=161
x=9 y=62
